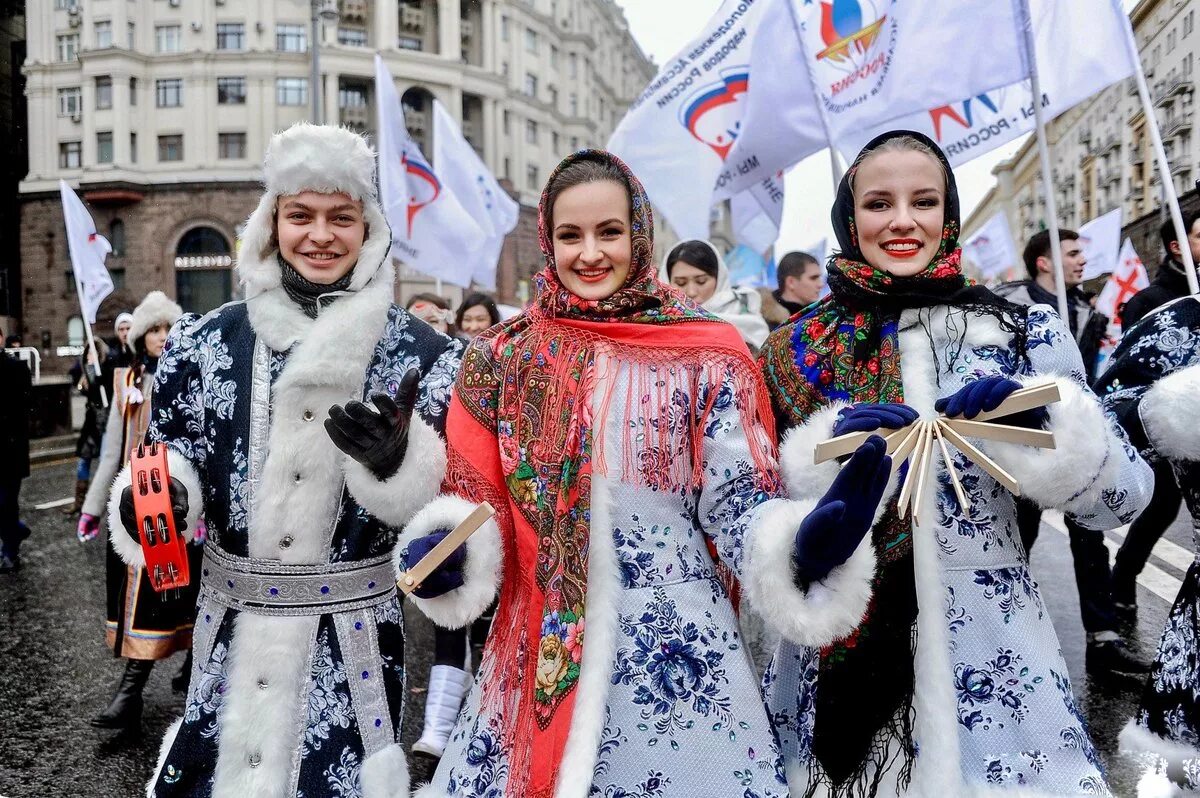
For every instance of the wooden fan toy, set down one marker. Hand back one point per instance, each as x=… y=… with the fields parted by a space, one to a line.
x=165 y=549
x=921 y=441
x=411 y=579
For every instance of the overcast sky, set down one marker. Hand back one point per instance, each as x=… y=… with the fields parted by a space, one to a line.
x=663 y=27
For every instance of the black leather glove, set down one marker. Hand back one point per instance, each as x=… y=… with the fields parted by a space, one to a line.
x=842 y=518
x=448 y=576
x=378 y=440
x=179 y=508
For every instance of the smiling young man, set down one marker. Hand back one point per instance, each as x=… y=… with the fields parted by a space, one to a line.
x=298 y=679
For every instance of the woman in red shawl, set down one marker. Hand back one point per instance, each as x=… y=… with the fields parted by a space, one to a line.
x=626 y=440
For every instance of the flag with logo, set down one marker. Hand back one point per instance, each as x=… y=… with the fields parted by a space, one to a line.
x=1127 y=279
x=1081 y=50
x=1100 y=239
x=465 y=174
x=88 y=249
x=991 y=248
x=677 y=135
x=431 y=231
x=859 y=64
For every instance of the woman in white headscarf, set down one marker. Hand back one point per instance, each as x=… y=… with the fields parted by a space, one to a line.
x=697 y=269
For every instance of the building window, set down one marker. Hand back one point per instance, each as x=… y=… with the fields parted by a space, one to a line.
x=166 y=38
x=531 y=40
x=291 y=38
x=103 y=93
x=291 y=91
x=130 y=35
x=574 y=102
x=531 y=177
x=530 y=87
x=69 y=102
x=69 y=154
x=504 y=32
x=231 y=36
x=531 y=132
x=133 y=91
x=352 y=97
x=68 y=47
x=133 y=148
x=507 y=168
x=168 y=93
x=231 y=91
x=116 y=237
x=573 y=65
x=554 y=141
x=104 y=147
x=170 y=148
x=352 y=37
x=553 y=97
x=103 y=34
x=574 y=143
x=553 y=56
x=506 y=125
x=231 y=146
x=66 y=5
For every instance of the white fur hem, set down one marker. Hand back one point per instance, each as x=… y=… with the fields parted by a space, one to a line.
x=1168 y=413
x=164 y=749
x=1135 y=739
x=1156 y=784
x=397 y=499
x=385 y=774
x=1086 y=461
x=803 y=479
x=830 y=609
x=482 y=570
x=128 y=549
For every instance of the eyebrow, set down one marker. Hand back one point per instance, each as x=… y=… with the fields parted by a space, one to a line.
x=345 y=206
x=571 y=226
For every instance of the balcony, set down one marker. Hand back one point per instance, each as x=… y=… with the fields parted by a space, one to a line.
x=412 y=20
x=1109 y=144
x=1177 y=126
x=357 y=117
x=1165 y=91
x=1085 y=138
x=1136 y=156
x=354 y=10
x=1181 y=168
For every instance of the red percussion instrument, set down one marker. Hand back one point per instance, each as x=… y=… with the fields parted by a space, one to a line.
x=164 y=547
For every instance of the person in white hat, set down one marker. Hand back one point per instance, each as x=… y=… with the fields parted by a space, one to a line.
x=298 y=680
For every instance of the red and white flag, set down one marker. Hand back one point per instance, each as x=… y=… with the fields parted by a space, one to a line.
x=88 y=250
x=1126 y=280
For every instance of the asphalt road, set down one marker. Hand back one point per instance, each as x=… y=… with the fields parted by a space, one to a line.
x=56 y=673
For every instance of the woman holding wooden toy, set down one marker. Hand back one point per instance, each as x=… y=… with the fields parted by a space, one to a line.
x=948 y=680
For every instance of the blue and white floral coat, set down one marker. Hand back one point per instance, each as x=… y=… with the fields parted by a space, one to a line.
x=241 y=396
x=991 y=688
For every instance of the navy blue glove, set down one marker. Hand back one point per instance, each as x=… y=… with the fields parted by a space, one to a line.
x=843 y=516
x=868 y=418
x=986 y=394
x=447 y=577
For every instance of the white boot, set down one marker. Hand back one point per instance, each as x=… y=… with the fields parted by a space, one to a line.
x=447 y=686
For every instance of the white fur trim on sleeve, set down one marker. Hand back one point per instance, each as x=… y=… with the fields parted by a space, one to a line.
x=396 y=499
x=1134 y=740
x=830 y=609
x=385 y=773
x=128 y=549
x=481 y=572
x=803 y=479
x=1086 y=461
x=1169 y=413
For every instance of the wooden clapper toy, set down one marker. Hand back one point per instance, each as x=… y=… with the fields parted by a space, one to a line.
x=411 y=579
x=918 y=441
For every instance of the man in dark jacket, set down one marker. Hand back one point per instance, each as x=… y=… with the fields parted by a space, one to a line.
x=800 y=284
x=1170 y=283
x=15 y=399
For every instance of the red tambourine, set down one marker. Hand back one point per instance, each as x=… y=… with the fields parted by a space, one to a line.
x=164 y=547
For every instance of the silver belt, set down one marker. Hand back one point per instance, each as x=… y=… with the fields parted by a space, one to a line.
x=269 y=587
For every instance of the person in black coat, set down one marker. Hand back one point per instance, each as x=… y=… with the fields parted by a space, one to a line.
x=1169 y=282
x=15 y=404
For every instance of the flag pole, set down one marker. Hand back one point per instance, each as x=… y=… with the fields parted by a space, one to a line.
x=87 y=327
x=834 y=162
x=1170 y=198
x=1060 y=285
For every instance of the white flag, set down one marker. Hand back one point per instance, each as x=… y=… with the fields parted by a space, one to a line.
x=1081 y=50
x=757 y=214
x=991 y=249
x=1127 y=279
x=677 y=135
x=430 y=230
x=1100 y=239
x=465 y=174
x=861 y=63
x=88 y=250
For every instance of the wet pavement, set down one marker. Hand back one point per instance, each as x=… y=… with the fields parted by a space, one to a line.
x=56 y=673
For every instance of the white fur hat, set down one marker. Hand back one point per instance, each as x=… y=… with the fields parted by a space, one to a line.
x=157 y=308
x=122 y=318
x=321 y=158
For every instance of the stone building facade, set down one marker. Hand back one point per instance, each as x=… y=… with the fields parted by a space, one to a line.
x=1100 y=150
x=158 y=112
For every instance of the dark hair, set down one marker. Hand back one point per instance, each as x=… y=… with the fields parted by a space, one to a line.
x=432 y=299
x=478 y=300
x=1167 y=231
x=794 y=264
x=1039 y=247
x=585 y=170
x=695 y=253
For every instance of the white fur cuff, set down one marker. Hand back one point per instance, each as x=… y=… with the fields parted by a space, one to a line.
x=1169 y=412
x=128 y=549
x=396 y=500
x=830 y=609
x=385 y=774
x=1086 y=461
x=1134 y=740
x=803 y=479
x=481 y=572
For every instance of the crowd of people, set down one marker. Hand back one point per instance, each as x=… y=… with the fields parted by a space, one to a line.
x=645 y=431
